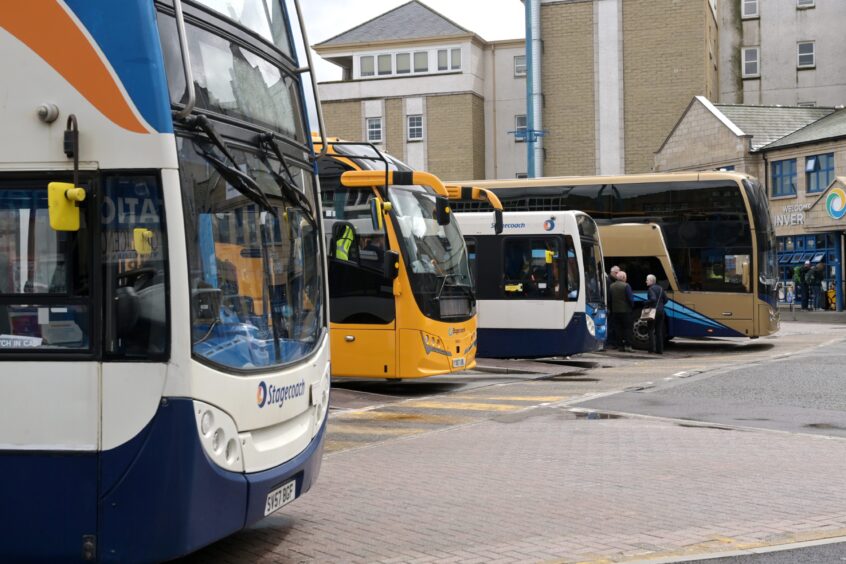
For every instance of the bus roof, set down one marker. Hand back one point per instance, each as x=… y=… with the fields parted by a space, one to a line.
x=620 y=179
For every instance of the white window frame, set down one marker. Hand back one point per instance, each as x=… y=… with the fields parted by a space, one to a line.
x=367 y=129
x=409 y=128
x=799 y=55
x=396 y=63
x=361 y=65
x=804 y=4
x=414 y=61
x=518 y=127
x=445 y=54
x=752 y=13
x=518 y=66
x=452 y=53
x=743 y=62
x=383 y=57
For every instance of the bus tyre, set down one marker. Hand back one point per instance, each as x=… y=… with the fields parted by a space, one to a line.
x=640 y=333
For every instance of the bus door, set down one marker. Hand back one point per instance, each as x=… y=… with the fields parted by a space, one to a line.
x=362 y=305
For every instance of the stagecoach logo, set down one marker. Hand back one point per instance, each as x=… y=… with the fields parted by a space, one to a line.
x=452 y=331
x=835 y=203
x=278 y=395
x=549 y=224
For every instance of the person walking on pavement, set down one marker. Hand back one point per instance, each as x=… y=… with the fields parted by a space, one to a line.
x=814 y=278
x=655 y=298
x=622 y=303
x=610 y=278
x=806 y=268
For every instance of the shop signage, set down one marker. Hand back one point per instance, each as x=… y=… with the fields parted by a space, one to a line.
x=791 y=215
x=835 y=203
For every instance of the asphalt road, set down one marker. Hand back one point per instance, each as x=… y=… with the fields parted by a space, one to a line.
x=803 y=392
x=825 y=554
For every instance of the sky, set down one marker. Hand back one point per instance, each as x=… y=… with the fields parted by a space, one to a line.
x=490 y=19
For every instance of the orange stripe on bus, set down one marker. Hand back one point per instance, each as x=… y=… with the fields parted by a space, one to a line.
x=50 y=32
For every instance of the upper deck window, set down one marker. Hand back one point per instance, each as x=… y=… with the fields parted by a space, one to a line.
x=232 y=80
x=266 y=18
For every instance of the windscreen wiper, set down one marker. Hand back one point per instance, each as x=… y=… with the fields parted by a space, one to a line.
x=468 y=290
x=242 y=182
x=288 y=185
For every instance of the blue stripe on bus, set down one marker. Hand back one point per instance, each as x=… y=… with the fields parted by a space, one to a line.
x=686 y=322
x=161 y=497
x=537 y=343
x=127 y=34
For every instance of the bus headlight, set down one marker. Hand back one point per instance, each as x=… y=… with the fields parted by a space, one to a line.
x=219 y=436
x=591 y=325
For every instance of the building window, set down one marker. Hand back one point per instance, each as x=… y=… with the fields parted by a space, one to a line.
x=374 y=130
x=520 y=65
x=367 y=66
x=804 y=3
x=442 y=60
x=415 y=128
x=455 y=59
x=806 y=104
x=750 y=8
x=384 y=64
x=751 y=62
x=805 y=54
x=421 y=61
x=522 y=175
x=403 y=63
x=819 y=172
x=784 y=178
x=520 y=128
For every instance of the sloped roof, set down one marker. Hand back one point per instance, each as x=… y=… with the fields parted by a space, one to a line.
x=767 y=124
x=413 y=20
x=831 y=126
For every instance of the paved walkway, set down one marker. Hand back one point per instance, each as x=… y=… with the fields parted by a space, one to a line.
x=541 y=485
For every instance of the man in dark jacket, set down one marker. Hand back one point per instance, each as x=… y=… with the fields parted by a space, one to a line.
x=806 y=292
x=610 y=278
x=656 y=298
x=622 y=302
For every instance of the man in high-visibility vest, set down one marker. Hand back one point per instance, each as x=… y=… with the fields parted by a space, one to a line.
x=343 y=243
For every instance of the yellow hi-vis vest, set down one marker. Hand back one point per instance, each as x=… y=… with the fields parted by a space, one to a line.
x=342 y=245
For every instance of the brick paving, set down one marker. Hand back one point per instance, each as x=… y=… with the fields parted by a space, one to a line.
x=539 y=485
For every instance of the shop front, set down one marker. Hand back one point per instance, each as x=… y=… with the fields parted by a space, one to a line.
x=813 y=233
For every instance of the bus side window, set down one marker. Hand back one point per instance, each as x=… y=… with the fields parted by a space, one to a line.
x=572 y=271
x=531 y=268
x=135 y=280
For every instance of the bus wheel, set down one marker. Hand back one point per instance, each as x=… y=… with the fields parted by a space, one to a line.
x=640 y=333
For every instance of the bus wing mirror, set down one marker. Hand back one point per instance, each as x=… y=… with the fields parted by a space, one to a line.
x=62 y=200
x=391 y=267
x=442 y=210
x=376 y=213
x=498 y=225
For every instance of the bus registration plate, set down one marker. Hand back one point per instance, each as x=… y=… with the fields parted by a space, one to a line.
x=458 y=363
x=280 y=496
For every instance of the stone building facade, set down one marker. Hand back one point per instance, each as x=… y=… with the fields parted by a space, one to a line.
x=799 y=155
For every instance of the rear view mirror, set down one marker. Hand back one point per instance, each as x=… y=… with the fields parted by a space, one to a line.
x=442 y=210
x=391 y=267
x=62 y=200
x=376 y=213
x=498 y=225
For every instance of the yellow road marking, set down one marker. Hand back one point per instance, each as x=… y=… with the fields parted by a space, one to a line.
x=515 y=398
x=463 y=406
x=403 y=416
x=365 y=430
x=334 y=446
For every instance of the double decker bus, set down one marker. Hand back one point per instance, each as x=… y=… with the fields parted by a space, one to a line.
x=164 y=348
x=707 y=237
x=539 y=285
x=402 y=301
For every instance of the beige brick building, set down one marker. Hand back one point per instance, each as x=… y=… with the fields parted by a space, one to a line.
x=432 y=94
x=799 y=155
x=616 y=74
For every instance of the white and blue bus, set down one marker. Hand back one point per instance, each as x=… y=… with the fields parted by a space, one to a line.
x=539 y=285
x=164 y=352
